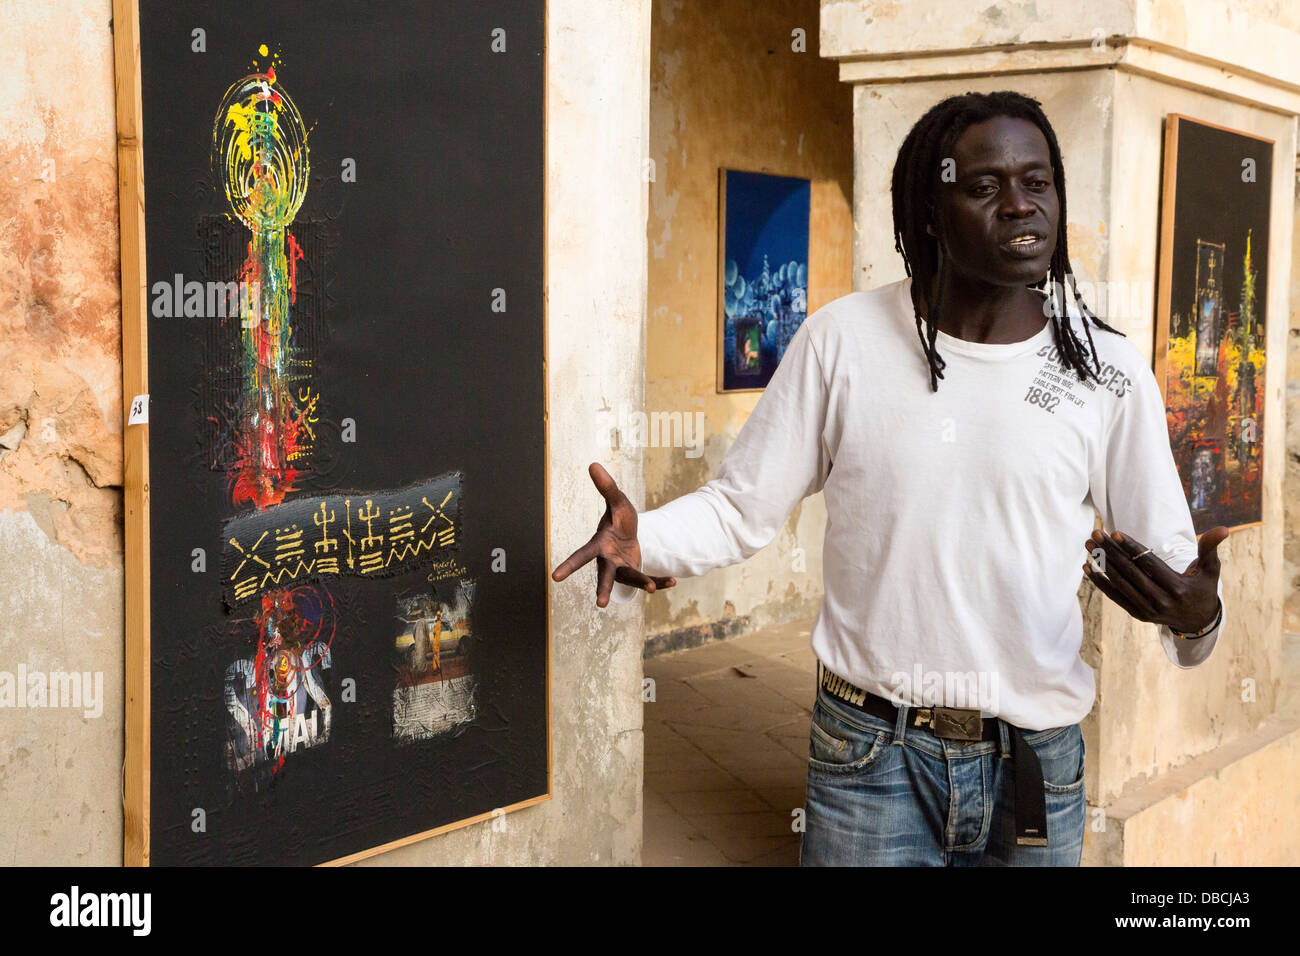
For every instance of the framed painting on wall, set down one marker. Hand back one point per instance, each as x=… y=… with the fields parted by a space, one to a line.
x=1211 y=315
x=762 y=273
x=333 y=324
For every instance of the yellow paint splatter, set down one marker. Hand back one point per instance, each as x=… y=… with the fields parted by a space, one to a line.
x=260 y=145
x=262 y=49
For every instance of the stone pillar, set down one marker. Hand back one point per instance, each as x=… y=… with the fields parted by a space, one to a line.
x=1185 y=767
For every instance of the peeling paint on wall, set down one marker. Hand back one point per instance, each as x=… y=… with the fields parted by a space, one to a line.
x=60 y=365
x=60 y=429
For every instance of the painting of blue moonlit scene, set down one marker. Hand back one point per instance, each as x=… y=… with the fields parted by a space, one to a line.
x=763 y=265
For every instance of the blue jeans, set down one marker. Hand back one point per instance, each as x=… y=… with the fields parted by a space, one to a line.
x=893 y=795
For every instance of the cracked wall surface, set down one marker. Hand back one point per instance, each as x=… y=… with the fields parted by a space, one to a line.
x=728 y=90
x=60 y=429
x=61 y=562
x=60 y=367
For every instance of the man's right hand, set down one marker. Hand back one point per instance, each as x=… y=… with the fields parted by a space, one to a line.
x=614 y=545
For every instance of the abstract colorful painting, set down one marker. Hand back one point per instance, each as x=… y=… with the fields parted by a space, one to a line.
x=347 y=638
x=762 y=273
x=1212 y=316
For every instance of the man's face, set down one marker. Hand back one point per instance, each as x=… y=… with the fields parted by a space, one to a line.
x=1004 y=187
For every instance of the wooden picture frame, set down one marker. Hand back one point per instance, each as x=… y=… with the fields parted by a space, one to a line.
x=135 y=439
x=137 y=770
x=1173 y=271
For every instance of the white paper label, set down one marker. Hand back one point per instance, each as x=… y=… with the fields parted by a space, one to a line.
x=139 y=411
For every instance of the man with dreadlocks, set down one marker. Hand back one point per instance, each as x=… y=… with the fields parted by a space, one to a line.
x=960 y=518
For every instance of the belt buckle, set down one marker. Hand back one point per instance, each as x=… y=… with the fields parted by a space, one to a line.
x=957 y=723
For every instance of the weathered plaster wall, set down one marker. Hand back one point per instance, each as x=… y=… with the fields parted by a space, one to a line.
x=1163 y=715
x=728 y=90
x=1291 y=609
x=1256 y=33
x=1234 y=806
x=60 y=433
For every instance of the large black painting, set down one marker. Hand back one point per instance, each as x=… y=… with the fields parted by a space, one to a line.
x=348 y=568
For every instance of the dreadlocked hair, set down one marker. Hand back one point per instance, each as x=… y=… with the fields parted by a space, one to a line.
x=914 y=190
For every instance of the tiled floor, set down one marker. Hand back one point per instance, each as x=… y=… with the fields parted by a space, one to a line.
x=726 y=750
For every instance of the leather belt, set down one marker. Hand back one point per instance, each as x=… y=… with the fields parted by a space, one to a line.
x=966 y=725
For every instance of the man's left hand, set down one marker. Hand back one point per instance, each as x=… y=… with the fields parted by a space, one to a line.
x=1149 y=589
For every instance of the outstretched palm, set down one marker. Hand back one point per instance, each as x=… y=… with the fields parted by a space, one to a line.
x=614 y=545
x=1141 y=583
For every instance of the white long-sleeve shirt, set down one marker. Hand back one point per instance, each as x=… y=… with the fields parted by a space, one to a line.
x=956 y=520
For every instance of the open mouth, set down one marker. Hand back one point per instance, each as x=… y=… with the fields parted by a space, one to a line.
x=1027 y=245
